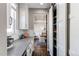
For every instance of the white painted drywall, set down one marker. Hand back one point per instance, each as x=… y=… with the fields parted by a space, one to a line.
x=74 y=29
x=3 y=29
x=50 y=31
x=61 y=29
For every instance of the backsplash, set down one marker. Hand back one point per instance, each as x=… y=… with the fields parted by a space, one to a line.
x=31 y=32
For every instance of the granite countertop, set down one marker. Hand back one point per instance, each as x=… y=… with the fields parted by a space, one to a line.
x=19 y=47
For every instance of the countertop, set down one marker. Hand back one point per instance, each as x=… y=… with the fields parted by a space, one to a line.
x=19 y=47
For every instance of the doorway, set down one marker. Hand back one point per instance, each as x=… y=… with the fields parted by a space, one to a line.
x=68 y=28
x=40 y=31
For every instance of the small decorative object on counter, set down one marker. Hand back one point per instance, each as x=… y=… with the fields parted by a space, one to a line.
x=21 y=36
x=26 y=35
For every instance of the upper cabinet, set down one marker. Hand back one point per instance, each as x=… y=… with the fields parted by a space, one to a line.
x=23 y=17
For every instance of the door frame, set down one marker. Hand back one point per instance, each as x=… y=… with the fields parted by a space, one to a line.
x=68 y=28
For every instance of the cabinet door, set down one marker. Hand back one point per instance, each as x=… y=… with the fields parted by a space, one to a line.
x=22 y=18
x=26 y=18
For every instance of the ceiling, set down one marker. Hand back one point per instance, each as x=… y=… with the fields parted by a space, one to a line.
x=37 y=5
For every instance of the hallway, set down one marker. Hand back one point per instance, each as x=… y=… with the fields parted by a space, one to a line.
x=40 y=48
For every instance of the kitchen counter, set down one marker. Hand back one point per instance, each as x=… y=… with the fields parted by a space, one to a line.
x=19 y=47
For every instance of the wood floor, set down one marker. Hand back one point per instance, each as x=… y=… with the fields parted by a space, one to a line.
x=40 y=49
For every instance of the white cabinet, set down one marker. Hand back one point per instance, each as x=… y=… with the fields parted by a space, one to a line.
x=23 y=17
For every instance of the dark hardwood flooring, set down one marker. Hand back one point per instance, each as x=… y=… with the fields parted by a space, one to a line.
x=40 y=48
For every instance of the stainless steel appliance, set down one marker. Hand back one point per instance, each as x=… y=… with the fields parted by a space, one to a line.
x=10 y=41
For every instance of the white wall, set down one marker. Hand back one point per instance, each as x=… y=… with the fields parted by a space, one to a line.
x=50 y=31
x=3 y=28
x=61 y=29
x=74 y=29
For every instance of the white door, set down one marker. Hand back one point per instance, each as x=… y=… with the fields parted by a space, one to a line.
x=74 y=29
x=61 y=29
x=50 y=31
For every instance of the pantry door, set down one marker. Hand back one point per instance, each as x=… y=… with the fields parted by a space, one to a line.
x=61 y=29
x=74 y=29
x=50 y=31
